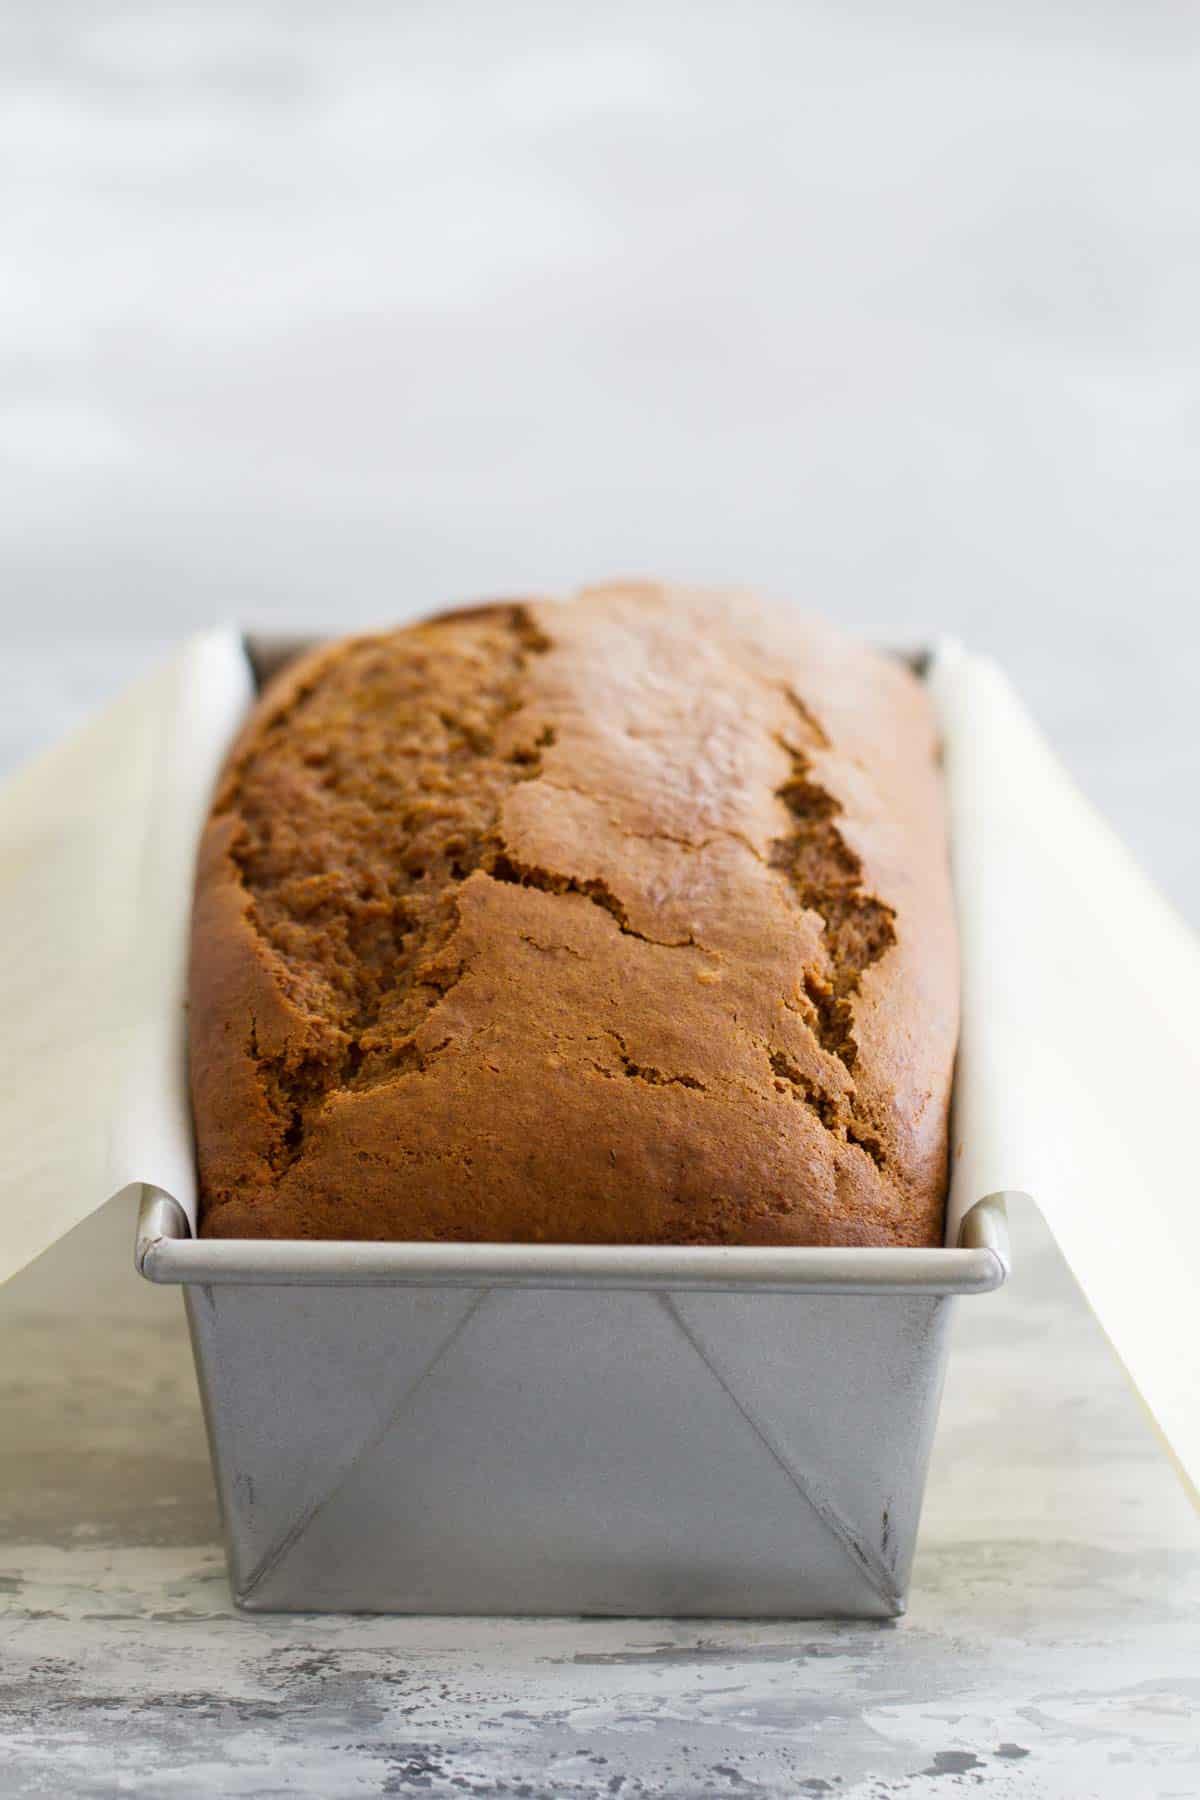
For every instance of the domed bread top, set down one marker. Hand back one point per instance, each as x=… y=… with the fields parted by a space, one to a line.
x=619 y=920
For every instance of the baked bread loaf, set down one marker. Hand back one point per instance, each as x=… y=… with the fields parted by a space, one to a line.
x=625 y=920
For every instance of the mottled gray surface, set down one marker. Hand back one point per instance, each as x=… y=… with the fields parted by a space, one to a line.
x=320 y=315
x=1052 y=1647
x=331 y=313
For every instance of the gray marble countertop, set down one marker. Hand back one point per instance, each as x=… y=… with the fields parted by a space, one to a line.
x=1052 y=1646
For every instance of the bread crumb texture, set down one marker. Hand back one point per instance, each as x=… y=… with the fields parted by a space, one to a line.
x=620 y=920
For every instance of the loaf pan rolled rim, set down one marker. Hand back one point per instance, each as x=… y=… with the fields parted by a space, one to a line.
x=166 y=1252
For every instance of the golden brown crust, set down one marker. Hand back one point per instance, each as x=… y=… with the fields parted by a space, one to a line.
x=625 y=920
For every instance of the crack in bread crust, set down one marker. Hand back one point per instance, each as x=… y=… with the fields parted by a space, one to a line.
x=858 y=929
x=504 y=867
x=839 y=1115
x=826 y=875
x=351 y=884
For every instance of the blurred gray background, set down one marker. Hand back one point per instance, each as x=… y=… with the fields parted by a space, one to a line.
x=330 y=314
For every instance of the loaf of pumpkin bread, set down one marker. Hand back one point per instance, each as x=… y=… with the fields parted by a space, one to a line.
x=620 y=920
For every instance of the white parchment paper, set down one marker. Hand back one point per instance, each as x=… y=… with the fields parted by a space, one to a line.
x=97 y=840
x=1078 y=1069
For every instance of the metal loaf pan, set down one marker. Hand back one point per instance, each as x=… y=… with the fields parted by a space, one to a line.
x=566 y=1429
